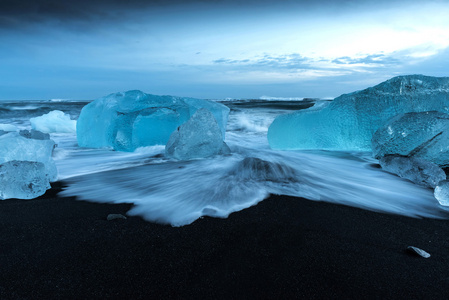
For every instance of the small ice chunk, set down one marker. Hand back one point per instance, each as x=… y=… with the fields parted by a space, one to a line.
x=441 y=192
x=23 y=179
x=417 y=170
x=418 y=134
x=31 y=146
x=199 y=137
x=55 y=121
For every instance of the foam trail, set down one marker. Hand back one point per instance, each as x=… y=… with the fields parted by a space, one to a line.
x=76 y=162
x=175 y=192
x=178 y=193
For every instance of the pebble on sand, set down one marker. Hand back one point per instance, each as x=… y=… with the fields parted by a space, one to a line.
x=115 y=216
x=417 y=251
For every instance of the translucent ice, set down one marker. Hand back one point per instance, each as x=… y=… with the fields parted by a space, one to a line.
x=54 y=121
x=8 y=127
x=441 y=192
x=31 y=146
x=417 y=134
x=349 y=121
x=417 y=170
x=126 y=121
x=199 y=137
x=23 y=179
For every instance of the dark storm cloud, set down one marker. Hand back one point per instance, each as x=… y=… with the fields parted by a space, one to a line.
x=21 y=12
x=15 y=13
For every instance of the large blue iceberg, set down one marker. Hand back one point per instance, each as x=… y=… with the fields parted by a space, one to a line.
x=132 y=119
x=349 y=121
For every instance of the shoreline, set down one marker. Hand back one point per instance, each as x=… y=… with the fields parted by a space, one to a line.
x=284 y=247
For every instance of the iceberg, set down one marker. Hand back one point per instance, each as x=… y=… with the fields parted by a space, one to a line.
x=349 y=121
x=417 y=170
x=199 y=137
x=55 y=121
x=127 y=120
x=23 y=179
x=416 y=134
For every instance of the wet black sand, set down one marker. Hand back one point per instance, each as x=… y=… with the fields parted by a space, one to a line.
x=283 y=248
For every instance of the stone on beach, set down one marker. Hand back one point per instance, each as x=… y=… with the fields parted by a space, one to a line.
x=111 y=217
x=418 y=252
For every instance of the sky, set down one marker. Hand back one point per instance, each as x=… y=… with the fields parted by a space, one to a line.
x=216 y=49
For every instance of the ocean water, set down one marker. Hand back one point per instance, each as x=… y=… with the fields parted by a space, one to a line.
x=179 y=192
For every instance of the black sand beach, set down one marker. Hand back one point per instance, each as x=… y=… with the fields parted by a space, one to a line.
x=283 y=248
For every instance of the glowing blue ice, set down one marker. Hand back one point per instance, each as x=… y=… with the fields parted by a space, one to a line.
x=26 y=164
x=199 y=137
x=418 y=134
x=126 y=121
x=349 y=121
x=28 y=146
x=441 y=192
x=417 y=170
x=23 y=179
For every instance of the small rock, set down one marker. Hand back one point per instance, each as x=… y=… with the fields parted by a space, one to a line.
x=115 y=216
x=417 y=251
